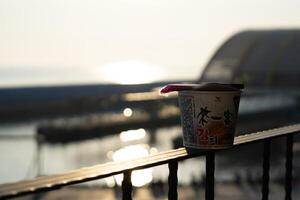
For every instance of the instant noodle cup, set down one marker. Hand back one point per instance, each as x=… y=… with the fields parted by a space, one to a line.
x=208 y=113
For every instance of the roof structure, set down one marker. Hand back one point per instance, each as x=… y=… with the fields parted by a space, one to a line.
x=258 y=58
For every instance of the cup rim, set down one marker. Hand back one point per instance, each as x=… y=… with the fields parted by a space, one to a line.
x=207 y=92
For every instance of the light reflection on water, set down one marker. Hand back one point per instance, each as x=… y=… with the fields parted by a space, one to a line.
x=60 y=158
x=138 y=177
x=131 y=135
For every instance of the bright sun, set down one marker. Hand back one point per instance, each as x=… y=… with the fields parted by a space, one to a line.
x=130 y=72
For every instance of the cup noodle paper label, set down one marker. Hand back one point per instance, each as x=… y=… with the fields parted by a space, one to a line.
x=208 y=118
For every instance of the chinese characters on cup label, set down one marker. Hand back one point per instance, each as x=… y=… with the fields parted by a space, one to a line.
x=208 y=120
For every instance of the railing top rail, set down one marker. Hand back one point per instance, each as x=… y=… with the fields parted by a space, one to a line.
x=52 y=182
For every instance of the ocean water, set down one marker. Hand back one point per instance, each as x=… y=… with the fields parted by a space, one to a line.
x=19 y=155
x=22 y=158
x=16 y=154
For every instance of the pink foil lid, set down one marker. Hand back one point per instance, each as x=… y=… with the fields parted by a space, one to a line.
x=201 y=87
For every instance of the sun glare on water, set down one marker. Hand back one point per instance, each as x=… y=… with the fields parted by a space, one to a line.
x=138 y=177
x=130 y=72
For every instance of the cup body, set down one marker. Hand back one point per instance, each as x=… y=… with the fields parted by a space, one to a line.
x=208 y=118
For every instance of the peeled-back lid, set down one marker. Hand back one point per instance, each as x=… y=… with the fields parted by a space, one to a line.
x=201 y=87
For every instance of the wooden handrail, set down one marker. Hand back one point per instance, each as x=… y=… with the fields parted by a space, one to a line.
x=52 y=182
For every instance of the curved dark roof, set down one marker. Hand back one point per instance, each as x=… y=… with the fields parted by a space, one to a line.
x=269 y=58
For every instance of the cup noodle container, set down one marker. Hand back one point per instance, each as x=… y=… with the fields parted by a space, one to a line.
x=208 y=118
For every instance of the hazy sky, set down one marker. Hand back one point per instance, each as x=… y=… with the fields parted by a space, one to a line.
x=71 y=41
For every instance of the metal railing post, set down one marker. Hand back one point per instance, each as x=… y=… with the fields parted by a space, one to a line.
x=127 y=186
x=289 y=167
x=171 y=157
x=266 y=169
x=210 y=176
x=173 y=180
